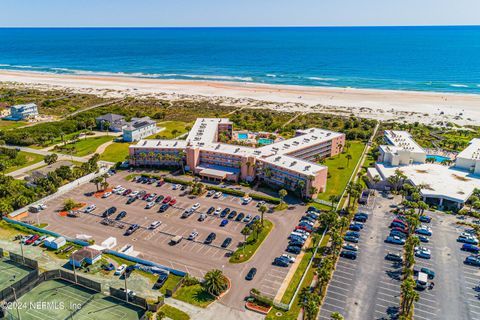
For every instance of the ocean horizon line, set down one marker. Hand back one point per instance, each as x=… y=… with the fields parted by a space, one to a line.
x=249 y=27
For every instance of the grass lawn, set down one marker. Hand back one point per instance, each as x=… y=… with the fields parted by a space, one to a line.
x=174 y=313
x=115 y=152
x=172 y=129
x=195 y=295
x=244 y=253
x=339 y=172
x=292 y=314
x=88 y=146
x=30 y=158
x=5 y=124
x=171 y=282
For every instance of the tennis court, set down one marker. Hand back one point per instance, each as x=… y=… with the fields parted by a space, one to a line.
x=56 y=299
x=11 y=272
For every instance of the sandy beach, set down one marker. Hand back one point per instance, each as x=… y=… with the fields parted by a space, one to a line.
x=409 y=106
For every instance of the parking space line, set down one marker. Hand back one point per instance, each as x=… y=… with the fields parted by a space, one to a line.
x=341 y=277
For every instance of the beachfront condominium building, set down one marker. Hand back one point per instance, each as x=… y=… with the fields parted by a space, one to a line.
x=469 y=159
x=115 y=122
x=286 y=164
x=401 y=149
x=139 y=128
x=23 y=112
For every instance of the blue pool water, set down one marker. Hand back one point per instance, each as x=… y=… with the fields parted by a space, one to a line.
x=242 y=136
x=409 y=58
x=437 y=158
x=265 y=141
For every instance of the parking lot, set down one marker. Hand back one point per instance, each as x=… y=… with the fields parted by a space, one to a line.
x=456 y=292
x=194 y=257
x=368 y=287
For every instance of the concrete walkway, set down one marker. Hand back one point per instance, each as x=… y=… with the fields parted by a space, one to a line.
x=20 y=173
x=95 y=134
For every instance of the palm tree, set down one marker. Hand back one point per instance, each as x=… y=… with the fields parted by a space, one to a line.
x=96 y=181
x=348 y=157
x=282 y=194
x=3 y=167
x=301 y=186
x=263 y=208
x=336 y=316
x=333 y=199
x=215 y=282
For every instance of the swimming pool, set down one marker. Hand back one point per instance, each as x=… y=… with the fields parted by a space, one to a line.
x=437 y=157
x=242 y=136
x=265 y=141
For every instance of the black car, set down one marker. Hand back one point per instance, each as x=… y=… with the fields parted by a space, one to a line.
x=211 y=210
x=232 y=214
x=121 y=215
x=212 y=236
x=251 y=274
x=311 y=208
x=132 y=229
x=295 y=250
x=394 y=257
x=164 y=208
x=224 y=212
x=295 y=243
x=360 y=218
x=280 y=262
x=159 y=199
x=183 y=187
x=226 y=242
x=131 y=200
x=162 y=278
x=348 y=254
x=109 y=212
x=240 y=216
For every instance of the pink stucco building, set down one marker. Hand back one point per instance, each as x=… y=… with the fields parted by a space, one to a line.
x=287 y=164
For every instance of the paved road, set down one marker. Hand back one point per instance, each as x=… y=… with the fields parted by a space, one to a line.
x=20 y=173
x=369 y=287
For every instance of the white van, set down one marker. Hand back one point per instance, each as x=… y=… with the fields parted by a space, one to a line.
x=155 y=225
x=422 y=281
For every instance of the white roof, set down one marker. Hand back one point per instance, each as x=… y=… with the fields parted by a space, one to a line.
x=442 y=181
x=403 y=140
x=294 y=164
x=472 y=152
x=152 y=143
x=230 y=149
x=205 y=129
x=306 y=138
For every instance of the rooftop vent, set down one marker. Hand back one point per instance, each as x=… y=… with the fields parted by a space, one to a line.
x=293 y=163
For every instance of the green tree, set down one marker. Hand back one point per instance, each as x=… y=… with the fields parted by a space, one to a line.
x=215 y=282
x=69 y=204
x=50 y=158
x=282 y=194
x=97 y=181
x=348 y=157
x=263 y=208
x=336 y=316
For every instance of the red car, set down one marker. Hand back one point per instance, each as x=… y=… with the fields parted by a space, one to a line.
x=172 y=202
x=146 y=196
x=402 y=230
x=167 y=199
x=32 y=239
x=305 y=228
x=127 y=192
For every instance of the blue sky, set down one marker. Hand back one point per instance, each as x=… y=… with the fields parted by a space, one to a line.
x=202 y=13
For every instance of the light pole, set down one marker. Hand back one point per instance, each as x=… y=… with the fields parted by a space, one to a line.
x=126 y=290
x=21 y=248
x=16 y=303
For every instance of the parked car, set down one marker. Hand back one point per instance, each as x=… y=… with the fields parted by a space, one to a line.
x=396 y=257
x=247 y=218
x=352 y=247
x=192 y=235
x=90 y=208
x=212 y=236
x=196 y=206
x=354 y=227
x=223 y=223
x=240 y=216
x=108 y=267
x=32 y=239
x=162 y=278
x=470 y=248
x=211 y=210
x=395 y=240
x=155 y=225
x=224 y=212
x=226 y=242
x=210 y=193
x=232 y=214
x=295 y=250
x=163 y=208
x=473 y=261
x=260 y=203
x=150 y=205
x=280 y=262
x=355 y=234
x=423 y=239
x=398 y=234
x=146 y=196
x=120 y=270
x=127 y=192
x=121 y=215
x=202 y=217
x=425 y=219
x=246 y=200
x=291 y=259
x=348 y=254
x=132 y=229
x=159 y=199
x=109 y=212
x=172 y=202
x=187 y=213
x=106 y=194
x=167 y=199
x=39 y=241
x=424 y=230
x=217 y=211
x=422 y=252
x=467 y=239
x=360 y=218
x=251 y=273
x=217 y=195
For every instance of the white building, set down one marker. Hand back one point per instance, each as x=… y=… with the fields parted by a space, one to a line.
x=23 y=112
x=139 y=128
x=401 y=149
x=469 y=159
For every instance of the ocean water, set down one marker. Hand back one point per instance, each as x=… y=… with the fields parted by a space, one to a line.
x=444 y=59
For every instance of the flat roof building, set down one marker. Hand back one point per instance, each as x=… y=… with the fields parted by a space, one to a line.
x=401 y=149
x=22 y=112
x=469 y=159
x=286 y=163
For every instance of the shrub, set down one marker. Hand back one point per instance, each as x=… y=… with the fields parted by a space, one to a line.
x=190 y=281
x=257 y=196
x=227 y=190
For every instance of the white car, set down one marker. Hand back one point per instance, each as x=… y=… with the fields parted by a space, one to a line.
x=176 y=186
x=246 y=200
x=196 y=206
x=106 y=194
x=290 y=258
x=154 y=225
x=193 y=235
x=120 y=270
x=217 y=211
x=120 y=190
x=150 y=205
x=422 y=249
x=42 y=206
x=117 y=187
x=260 y=203
x=90 y=208
x=217 y=195
x=134 y=194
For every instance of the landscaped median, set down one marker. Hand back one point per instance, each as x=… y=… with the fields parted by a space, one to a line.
x=254 y=241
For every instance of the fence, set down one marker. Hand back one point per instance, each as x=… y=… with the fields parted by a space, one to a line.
x=63 y=189
x=33 y=264
x=171 y=292
x=18 y=288
x=121 y=295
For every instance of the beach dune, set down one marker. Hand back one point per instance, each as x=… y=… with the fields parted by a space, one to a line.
x=410 y=106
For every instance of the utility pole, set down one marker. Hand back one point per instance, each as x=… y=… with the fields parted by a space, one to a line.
x=21 y=248
x=126 y=290
x=16 y=303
